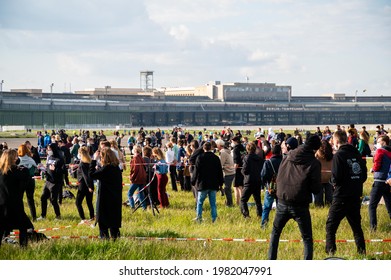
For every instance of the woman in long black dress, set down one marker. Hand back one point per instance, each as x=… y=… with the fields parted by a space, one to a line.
x=13 y=183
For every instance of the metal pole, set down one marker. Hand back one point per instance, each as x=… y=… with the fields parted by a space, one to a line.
x=51 y=93
x=355 y=96
x=1 y=91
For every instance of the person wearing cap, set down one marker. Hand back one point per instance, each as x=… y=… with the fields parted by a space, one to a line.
x=348 y=174
x=298 y=178
x=289 y=144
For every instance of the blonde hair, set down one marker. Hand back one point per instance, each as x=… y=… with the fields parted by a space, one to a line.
x=7 y=160
x=158 y=152
x=23 y=150
x=114 y=144
x=84 y=154
x=108 y=157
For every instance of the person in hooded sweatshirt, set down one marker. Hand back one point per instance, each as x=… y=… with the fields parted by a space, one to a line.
x=54 y=180
x=252 y=166
x=380 y=170
x=298 y=178
x=348 y=174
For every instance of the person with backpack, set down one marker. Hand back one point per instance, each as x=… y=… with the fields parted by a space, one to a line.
x=252 y=166
x=268 y=176
x=298 y=178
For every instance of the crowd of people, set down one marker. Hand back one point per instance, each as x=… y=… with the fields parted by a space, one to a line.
x=325 y=167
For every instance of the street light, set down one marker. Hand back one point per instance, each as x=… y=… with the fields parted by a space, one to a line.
x=355 y=95
x=1 y=90
x=51 y=93
x=106 y=88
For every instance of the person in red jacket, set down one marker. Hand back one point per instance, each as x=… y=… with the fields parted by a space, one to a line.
x=138 y=177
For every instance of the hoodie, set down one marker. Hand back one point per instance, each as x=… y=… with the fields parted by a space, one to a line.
x=252 y=166
x=348 y=173
x=298 y=177
x=381 y=163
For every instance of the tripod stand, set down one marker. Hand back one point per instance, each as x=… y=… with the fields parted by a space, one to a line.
x=148 y=196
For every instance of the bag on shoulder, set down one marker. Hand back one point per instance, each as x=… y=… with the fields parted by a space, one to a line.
x=272 y=188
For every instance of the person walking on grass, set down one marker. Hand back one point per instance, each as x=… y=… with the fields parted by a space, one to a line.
x=348 y=174
x=109 y=199
x=85 y=187
x=298 y=178
x=252 y=166
x=208 y=177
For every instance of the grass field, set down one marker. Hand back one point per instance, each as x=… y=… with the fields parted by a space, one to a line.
x=176 y=222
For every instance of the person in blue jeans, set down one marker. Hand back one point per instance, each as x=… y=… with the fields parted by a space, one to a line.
x=208 y=177
x=270 y=167
x=380 y=169
x=138 y=177
x=298 y=178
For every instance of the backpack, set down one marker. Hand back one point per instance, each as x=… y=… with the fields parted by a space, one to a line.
x=272 y=188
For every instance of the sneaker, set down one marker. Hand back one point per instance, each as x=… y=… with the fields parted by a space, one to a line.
x=197 y=219
x=40 y=218
x=82 y=222
x=57 y=218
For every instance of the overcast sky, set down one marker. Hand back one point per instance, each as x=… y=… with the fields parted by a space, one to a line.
x=317 y=47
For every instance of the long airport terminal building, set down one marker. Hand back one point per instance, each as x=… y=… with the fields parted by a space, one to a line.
x=211 y=104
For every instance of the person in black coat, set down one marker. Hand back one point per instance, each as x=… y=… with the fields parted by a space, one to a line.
x=238 y=153
x=109 y=200
x=13 y=182
x=85 y=185
x=252 y=166
x=208 y=177
x=54 y=181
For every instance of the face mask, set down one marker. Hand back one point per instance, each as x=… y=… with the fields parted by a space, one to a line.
x=233 y=144
x=378 y=146
x=335 y=147
x=78 y=156
x=50 y=153
x=17 y=161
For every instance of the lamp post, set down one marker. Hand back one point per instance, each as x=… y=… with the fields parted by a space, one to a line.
x=106 y=88
x=51 y=93
x=1 y=91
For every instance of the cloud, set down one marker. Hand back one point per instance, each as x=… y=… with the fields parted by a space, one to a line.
x=180 y=33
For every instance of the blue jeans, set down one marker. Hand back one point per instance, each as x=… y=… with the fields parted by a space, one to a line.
x=212 y=201
x=267 y=207
x=379 y=190
x=140 y=195
x=301 y=214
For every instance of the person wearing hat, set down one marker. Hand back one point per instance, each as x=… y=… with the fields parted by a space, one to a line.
x=298 y=178
x=348 y=174
x=289 y=144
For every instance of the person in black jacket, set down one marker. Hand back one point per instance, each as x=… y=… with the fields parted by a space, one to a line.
x=298 y=178
x=13 y=182
x=238 y=152
x=270 y=168
x=252 y=166
x=54 y=181
x=34 y=152
x=348 y=174
x=208 y=177
x=109 y=200
x=85 y=187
